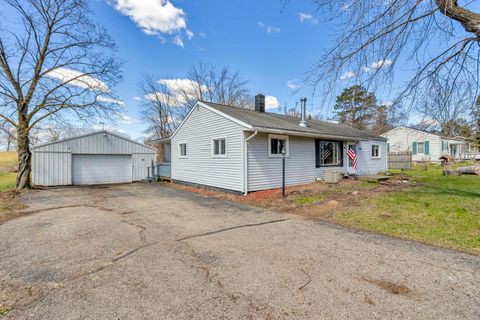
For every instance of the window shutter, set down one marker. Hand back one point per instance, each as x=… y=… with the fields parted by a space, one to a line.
x=388 y=147
x=317 y=153
x=414 y=148
x=427 y=147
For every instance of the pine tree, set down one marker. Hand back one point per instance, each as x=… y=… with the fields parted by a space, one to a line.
x=356 y=106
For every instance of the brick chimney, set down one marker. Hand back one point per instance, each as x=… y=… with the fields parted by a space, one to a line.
x=260 y=103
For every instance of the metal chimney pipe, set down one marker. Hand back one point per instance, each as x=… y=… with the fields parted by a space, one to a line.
x=303 y=121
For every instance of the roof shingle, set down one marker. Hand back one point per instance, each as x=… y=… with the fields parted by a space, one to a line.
x=274 y=121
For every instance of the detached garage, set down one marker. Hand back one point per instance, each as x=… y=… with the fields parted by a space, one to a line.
x=97 y=158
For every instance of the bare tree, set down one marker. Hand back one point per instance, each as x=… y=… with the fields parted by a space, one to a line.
x=8 y=133
x=446 y=105
x=167 y=101
x=60 y=64
x=434 y=39
x=159 y=107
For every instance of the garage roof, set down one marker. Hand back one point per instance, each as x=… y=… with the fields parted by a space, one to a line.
x=89 y=143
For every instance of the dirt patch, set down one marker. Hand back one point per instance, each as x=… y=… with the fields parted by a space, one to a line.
x=315 y=200
x=20 y=295
x=391 y=287
x=10 y=206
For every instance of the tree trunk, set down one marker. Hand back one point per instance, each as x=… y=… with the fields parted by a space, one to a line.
x=470 y=170
x=24 y=158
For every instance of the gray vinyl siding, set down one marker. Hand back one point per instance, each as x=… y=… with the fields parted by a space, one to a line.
x=200 y=167
x=265 y=172
x=52 y=163
x=368 y=165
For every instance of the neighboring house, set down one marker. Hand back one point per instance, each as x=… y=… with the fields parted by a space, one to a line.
x=240 y=150
x=426 y=146
x=96 y=158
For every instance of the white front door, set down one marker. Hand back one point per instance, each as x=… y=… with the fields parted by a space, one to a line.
x=101 y=169
x=350 y=146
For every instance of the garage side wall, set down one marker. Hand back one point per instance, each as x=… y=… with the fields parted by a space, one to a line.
x=52 y=168
x=140 y=163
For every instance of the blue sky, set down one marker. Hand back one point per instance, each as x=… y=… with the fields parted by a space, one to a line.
x=271 y=48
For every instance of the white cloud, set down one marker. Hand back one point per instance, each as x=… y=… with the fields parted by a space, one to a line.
x=268 y=29
x=377 y=65
x=155 y=17
x=78 y=79
x=125 y=119
x=137 y=98
x=178 y=41
x=159 y=96
x=202 y=34
x=271 y=102
x=178 y=91
x=110 y=100
x=292 y=85
x=186 y=87
x=306 y=17
x=347 y=75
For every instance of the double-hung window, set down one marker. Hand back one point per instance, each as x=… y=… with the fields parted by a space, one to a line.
x=182 y=150
x=219 y=147
x=376 y=151
x=421 y=147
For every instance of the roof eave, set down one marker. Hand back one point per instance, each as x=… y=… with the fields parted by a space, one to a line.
x=314 y=135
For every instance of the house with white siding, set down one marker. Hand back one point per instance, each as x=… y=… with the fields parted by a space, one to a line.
x=240 y=150
x=427 y=146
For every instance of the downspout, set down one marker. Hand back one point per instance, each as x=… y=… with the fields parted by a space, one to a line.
x=245 y=161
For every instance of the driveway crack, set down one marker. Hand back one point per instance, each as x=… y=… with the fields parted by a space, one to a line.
x=231 y=228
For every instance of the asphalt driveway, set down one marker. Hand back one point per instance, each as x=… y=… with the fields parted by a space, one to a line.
x=152 y=252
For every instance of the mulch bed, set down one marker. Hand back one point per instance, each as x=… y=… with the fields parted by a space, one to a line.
x=347 y=194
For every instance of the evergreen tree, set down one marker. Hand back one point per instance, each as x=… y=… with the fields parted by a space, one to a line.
x=356 y=107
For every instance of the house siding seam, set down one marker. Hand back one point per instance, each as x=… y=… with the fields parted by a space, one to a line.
x=199 y=167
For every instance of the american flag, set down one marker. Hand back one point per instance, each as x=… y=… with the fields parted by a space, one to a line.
x=353 y=156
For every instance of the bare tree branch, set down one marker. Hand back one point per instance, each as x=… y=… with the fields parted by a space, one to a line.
x=59 y=67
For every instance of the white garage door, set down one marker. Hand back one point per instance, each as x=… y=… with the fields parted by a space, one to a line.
x=101 y=169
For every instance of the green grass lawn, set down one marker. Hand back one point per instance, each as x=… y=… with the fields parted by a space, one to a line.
x=7 y=181
x=441 y=210
x=8 y=163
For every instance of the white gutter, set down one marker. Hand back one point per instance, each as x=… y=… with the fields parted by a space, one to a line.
x=245 y=163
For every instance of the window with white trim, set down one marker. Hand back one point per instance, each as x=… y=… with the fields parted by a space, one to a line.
x=421 y=147
x=275 y=145
x=376 y=151
x=219 y=147
x=182 y=150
